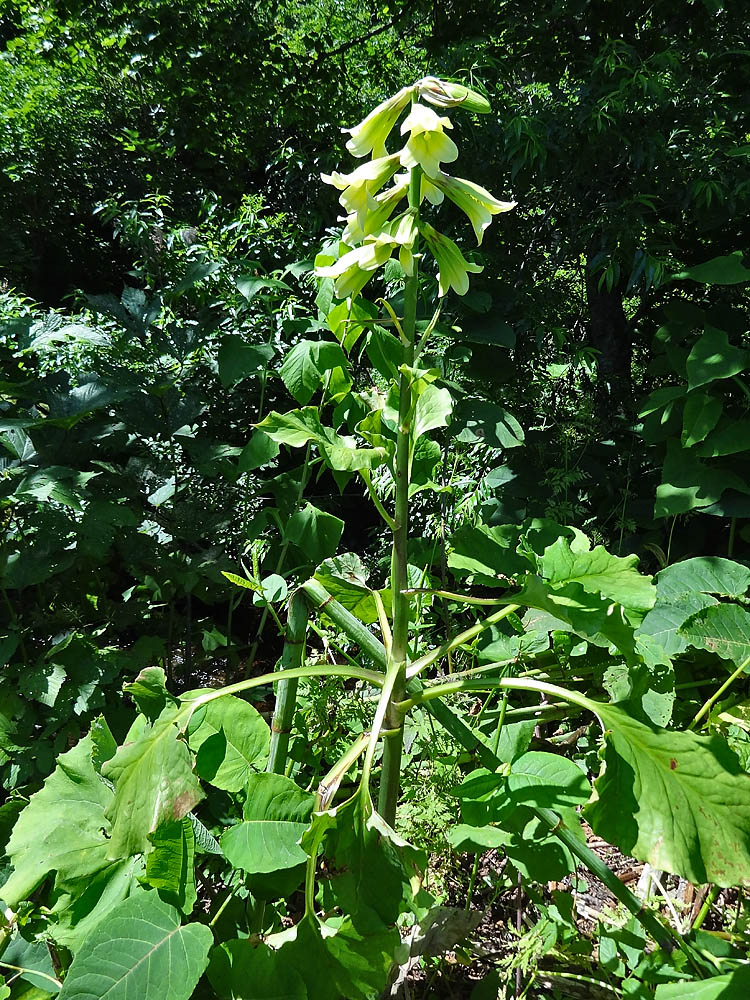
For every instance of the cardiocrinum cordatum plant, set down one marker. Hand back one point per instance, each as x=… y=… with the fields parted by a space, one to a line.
x=104 y=857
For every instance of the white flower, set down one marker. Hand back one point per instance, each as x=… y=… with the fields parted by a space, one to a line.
x=473 y=199
x=362 y=184
x=452 y=264
x=354 y=269
x=370 y=135
x=428 y=145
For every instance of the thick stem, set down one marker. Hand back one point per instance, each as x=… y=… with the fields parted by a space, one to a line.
x=351 y=626
x=286 y=692
x=394 y=719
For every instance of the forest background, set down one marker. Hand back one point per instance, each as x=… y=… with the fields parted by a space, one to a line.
x=161 y=205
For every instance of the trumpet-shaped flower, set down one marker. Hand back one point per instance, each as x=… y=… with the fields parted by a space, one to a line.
x=354 y=269
x=428 y=145
x=379 y=210
x=359 y=187
x=371 y=133
x=452 y=265
x=473 y=199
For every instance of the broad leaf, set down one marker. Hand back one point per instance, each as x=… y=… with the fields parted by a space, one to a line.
x=674 y=799
x=663 y=621
x=432 y=409
x=231 y=741
x=315 y=532
x=87 y=902
x=733 y=986
x=154 y=783
x=276 y=814
x=244 y=970
x=305 y=366
x=170 y=865
x=63 y=829
x=707 y=574
x=374 y=868
x=713 y=357
x=723 y=629
x=238 y=359
x=340 y=452
x=149 y=692
x=699 y=417
x=598 y=572
x=727 y=270
x=259 y=451
x=140 y=951
x=487 y=555
x=478 y=421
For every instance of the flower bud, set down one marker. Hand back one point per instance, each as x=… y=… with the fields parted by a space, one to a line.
x=444 y=94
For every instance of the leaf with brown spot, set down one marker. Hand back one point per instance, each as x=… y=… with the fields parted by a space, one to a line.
x=154 y=783
x=679 y=801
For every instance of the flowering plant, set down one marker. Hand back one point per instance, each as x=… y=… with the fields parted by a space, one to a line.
x=377 y=224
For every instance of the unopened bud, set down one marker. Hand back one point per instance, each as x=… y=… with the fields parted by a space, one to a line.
x=444 y=94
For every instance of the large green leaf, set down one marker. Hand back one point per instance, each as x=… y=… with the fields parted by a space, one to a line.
x=688 y=484
x=487 y=555
x=315 y=532
x=587 y=614
x=231 y=741
x=723 y=629
x=699 y=417
x=479 y=421
x=170 y=865
x=733 y=986
x=304 y=367
x=374 y=868
x=238 y=359
x=674 y=799
x=243 y=970
x=432 y=409
x=298 y=427
x=63 y=829
x=706 y=574
x=713 y=357
x=154 y=784
x=598 y=572
x=87 y=902
x=276 y=814
x=727 y=270
x=141 y=951
x=663 y=621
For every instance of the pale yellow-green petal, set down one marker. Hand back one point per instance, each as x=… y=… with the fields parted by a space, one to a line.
x=478 y=204
x=453 y=267
x=371 y=134
x=429 y=150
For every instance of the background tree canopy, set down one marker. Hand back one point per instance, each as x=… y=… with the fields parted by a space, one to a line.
x=161 y=210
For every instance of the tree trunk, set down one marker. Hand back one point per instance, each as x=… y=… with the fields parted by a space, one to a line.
x=610 y=335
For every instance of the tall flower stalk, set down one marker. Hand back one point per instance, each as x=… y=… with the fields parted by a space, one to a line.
x=378 y=226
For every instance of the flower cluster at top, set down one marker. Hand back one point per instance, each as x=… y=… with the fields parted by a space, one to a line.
x=373 y=232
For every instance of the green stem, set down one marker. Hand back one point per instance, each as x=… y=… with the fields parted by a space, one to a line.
x=321 y=670
x=511 y=683
x=394 y=719
x=367 y=479
x=286 y=693
x=463 y=637
x=706 y=707
x=353 y=627
x=708 y=902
